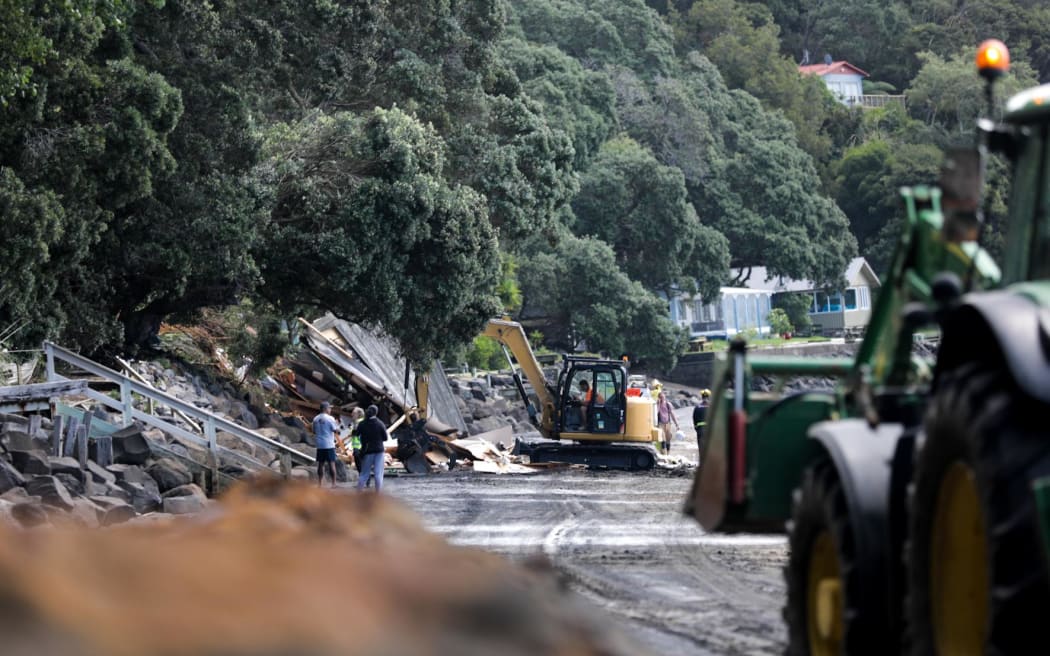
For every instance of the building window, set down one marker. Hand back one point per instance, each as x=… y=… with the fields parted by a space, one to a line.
x=865 y=298
x=851 y=299
x=827 y=303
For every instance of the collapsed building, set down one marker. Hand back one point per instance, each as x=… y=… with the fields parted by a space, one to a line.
x=351 y=367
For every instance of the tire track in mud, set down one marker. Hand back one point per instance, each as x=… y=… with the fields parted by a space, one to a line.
x=671 y=589
x=621 y=543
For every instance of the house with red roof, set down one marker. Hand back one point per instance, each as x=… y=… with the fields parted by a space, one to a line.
x=843 y=79
x=846 y=82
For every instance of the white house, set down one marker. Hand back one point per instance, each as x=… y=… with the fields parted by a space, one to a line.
x=738 y=309
x=843 y=79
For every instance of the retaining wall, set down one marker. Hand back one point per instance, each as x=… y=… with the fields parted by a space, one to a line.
x=697 y=369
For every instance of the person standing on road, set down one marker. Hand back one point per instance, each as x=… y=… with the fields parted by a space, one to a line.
x=373 y=434
x=325 y=427
x=357 y=415
x=700 y=420
x=664 y=417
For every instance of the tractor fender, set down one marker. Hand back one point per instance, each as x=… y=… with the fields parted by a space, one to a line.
x=873 y=467
x=1017 y=326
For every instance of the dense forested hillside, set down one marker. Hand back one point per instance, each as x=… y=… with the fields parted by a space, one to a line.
x=425 y=165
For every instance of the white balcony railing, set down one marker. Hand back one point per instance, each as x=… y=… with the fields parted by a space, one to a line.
x=872 y=101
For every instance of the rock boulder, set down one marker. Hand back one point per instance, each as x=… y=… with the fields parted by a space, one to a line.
x=9 y=477
x=169 y=473
x=51 y=490
x=130 y=446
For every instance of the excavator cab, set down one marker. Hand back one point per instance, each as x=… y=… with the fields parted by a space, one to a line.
x=592 y=399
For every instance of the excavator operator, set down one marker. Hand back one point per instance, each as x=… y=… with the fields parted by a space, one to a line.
x=588 y=397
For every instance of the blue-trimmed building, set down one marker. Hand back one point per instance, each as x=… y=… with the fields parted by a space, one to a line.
x=742 y=309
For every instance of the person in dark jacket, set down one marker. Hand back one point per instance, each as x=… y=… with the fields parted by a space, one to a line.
x=700 y=419
x=373 y=434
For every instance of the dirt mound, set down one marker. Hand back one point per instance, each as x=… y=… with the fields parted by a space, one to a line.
x=277 y=569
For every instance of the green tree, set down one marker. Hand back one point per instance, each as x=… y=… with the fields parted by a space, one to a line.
x=868 y=179
x=577 y=286
x=641 y=209
x=94 y=138
x=949 y=94
x=24 y=46
x=666 y=117
x=512 y=157
x=607 y=32
x=944 y=27
x=485 y=353
x=762 y=191
x=742 y=40
x=580 y=101
x=345 y=185
x=189 y=243
x=33 y=221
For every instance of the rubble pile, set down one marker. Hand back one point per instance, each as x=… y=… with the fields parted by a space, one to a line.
x=285 y=569
x=350 y=367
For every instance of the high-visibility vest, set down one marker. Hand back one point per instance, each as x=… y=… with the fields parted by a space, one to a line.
x=355 y=439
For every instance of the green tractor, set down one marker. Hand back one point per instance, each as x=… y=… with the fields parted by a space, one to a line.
x=916 y=492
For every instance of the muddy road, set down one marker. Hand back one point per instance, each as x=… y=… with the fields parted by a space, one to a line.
x=622 y=543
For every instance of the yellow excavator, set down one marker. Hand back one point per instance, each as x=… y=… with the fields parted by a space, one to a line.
x=586 y=412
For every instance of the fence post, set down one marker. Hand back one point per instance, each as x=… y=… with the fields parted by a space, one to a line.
x=103 y=450
x=70 y=442
x=126 y=402
x=82 y=446
x=213 y=455
x=56 y=435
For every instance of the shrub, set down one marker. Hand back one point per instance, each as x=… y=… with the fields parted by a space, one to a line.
x=779 y=322
x=485 y=353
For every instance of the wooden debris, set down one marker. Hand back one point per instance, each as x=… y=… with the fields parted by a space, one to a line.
x=496 y=467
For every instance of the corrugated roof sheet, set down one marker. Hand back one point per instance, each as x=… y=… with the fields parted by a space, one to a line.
x=377 y=359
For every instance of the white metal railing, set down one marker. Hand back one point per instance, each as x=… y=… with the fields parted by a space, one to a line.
x=210 y=422
x=873 y=101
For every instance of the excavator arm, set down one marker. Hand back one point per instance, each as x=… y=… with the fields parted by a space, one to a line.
x=511 y=335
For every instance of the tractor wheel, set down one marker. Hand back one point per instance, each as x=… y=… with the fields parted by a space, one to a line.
x=977 y=580
x=821 y=544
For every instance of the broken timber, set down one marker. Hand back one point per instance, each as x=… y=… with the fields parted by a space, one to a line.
x=37 y=396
